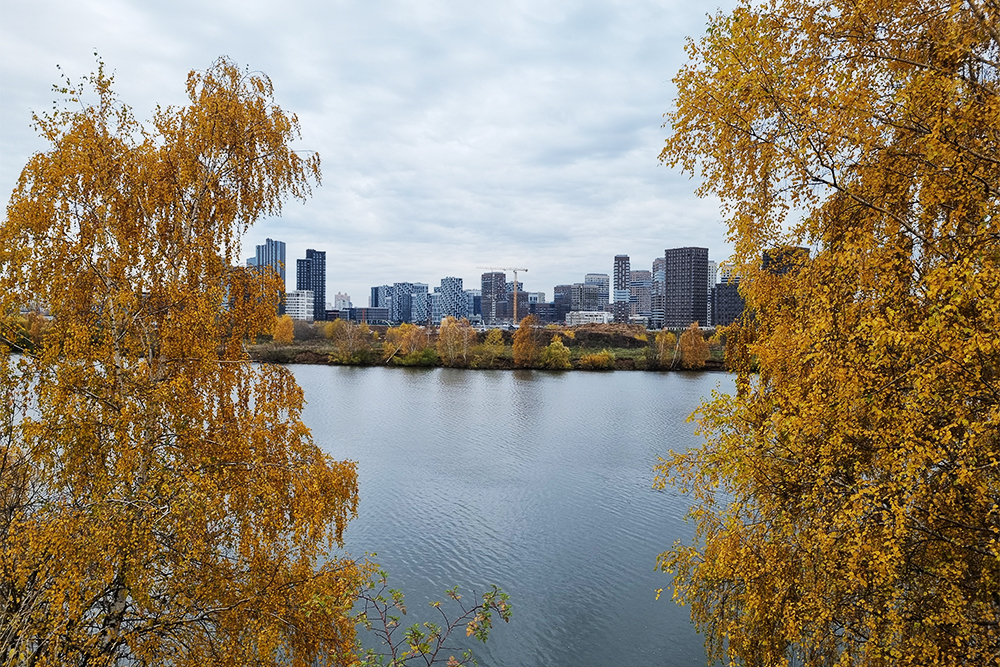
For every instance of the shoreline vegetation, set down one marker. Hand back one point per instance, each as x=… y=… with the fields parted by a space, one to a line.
x=456 y=344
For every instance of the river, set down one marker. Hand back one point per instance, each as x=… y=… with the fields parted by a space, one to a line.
x=536 y=481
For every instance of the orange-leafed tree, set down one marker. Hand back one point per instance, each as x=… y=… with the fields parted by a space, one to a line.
x=693 y=348
x=849 y=493
x=161 y=501
x=526 y=347
x=284 y=330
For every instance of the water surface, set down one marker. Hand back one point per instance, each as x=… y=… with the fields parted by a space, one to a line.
x=537 y=481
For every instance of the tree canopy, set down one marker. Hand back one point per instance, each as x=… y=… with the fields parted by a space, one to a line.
x=161 y=501
x=849 y=494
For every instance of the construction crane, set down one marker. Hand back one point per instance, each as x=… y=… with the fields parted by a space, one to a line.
x=516 y=285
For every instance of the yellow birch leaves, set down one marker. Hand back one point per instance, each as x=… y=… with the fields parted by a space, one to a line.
x=848 y=498
x=163 y=501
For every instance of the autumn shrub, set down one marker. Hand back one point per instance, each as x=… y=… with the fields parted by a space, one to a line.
x=598 y=361
x=428 y=356
x=555 y=356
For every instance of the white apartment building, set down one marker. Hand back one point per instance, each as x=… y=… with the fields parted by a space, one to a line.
x=299 y=304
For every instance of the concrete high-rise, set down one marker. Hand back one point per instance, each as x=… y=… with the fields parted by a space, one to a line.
x=272 y=254
x=603 y=282
x=494 y=297
x=622 y=289
x=686 y=295
x=640 y=293
x=657 y=292
x=453 y=300
x=310 y=274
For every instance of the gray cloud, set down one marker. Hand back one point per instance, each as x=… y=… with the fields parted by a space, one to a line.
x=452 y=134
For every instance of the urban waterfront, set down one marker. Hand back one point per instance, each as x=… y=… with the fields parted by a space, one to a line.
x=536 y=481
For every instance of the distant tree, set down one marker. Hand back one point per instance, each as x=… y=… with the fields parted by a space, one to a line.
x=284 y=330
x=556 y=355
x=486 y=355
x=352 y=341
x=526 y=345
x=666 y=349
x=403 y=340
x=449 y=342
x=693 y=348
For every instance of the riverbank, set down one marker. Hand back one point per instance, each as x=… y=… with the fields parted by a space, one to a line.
x=593 y=347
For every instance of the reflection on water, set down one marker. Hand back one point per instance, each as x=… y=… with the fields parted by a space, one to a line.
x=539 y=482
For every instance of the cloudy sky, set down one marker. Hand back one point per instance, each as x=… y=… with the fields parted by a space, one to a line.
x=453 y=134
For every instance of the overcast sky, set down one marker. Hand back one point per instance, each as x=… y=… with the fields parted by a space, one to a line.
x=453 y=134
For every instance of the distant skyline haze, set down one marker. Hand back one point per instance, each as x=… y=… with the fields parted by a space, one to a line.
x=452 y=135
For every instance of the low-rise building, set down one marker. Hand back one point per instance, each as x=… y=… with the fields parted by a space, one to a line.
x=577 y=317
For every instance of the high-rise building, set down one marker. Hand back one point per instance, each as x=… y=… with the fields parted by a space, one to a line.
x=641 y=293
x=401 y=308
x=562 y=298
x=310 y=274
x=686 y=299
x=420 y=304
x=381 y=297
x=453 y=300
x=585 y=297
x=474 y=301
x=342 y=301
x=712 y=270
x=657 y=292
x=622 y=289
x=727 y=303
x=272 y=254
x=603 y=283
x=494 y=297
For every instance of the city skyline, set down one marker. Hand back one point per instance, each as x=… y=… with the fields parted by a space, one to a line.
x=363 y=299
x=452 y=136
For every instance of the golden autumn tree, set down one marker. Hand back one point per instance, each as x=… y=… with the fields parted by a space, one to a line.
x=693 y=348
x=849 y=494
x=284 y=330
x=492 y=348
x=526 y=347
x=453 y=341
x=161 y=501
x=666 y=349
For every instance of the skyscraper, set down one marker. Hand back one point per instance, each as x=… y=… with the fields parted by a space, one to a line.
x=686 y=299
x=453 y=300
x=494 y=297
x=272 y=254
x=401 y=309
x=603 y=283
x=310 y=274
x=640 y=293
x=622 y=288
x=657 y=292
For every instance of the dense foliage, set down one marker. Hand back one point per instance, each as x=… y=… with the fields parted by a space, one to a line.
x=161 y=501
x=849 y=495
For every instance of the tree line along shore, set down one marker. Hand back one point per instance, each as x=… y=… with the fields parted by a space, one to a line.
x=456 y=344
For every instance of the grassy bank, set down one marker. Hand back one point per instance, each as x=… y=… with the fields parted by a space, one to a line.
x=590 y=347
